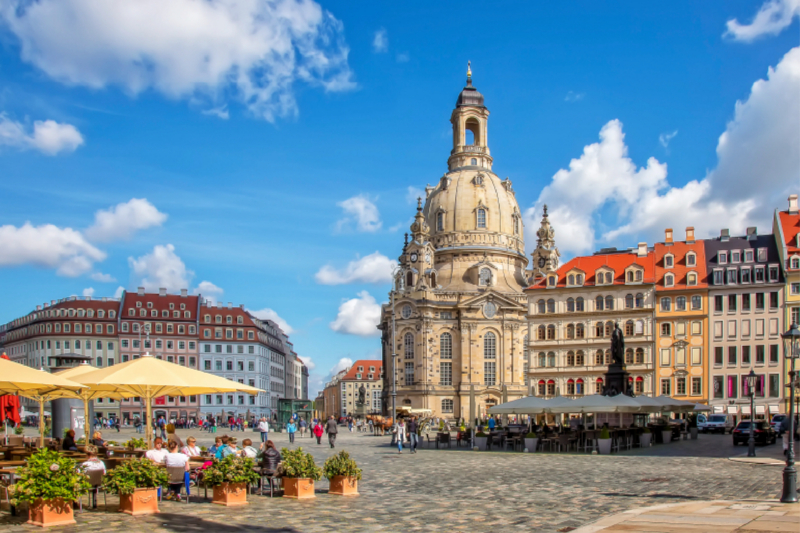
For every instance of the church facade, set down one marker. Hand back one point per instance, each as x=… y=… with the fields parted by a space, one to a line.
x=456 y=321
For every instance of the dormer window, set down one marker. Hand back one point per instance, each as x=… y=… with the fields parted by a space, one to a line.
x=669 y=280
x=552 y=281
x=748 y=256
x=571 y=280
x=773 y=273
x=579 y=279
x=669 y=261
x=481 y=218
x=691 y=278
x=744 y=275
x=719 y=277
x=732 y=276
x=691 y=259
x=484 y=277
x=794 y=262
x=736 y=256
x=762 y=255
x=722 y=258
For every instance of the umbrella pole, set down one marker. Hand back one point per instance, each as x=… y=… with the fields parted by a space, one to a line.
x=41 y=422
x=86 y=420
x=149 y=414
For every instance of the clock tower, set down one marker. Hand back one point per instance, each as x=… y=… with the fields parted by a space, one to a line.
x=545 y=256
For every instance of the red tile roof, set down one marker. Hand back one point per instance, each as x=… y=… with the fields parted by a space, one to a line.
x=616 y=261
x=160 y=303
x=365 y=363
x=791 y=227
x=235 y=312
x=680 y=268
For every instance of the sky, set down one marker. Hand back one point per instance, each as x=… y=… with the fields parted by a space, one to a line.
x=270 y=153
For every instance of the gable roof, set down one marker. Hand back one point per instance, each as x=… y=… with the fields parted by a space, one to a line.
x=680 y=268
x=790 y=224
x=591 y=263
x=366 y=363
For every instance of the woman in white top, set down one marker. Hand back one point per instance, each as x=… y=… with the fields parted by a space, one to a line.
x=92 y=462
x=158 y=453
x=173 y=459
x=190 y=449
x=248 y=450
x=400 y=435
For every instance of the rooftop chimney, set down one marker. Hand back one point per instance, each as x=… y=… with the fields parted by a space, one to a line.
x=230 y=304
x=752 y=234
x=162 y=291
x=105 y=298
x=52 y=302
x=184 y=292
x=792 y=204
x=241 y=306
x=641 y=251
x=668 y=236
x=87 y=298
x=38 y=307
x=140 y=291
x=689 y=235
x=725 y=235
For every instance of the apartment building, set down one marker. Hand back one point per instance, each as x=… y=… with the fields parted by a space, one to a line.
x=786 y=228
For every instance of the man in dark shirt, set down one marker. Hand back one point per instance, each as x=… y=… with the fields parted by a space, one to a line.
x=412 y=428
x=331 y=429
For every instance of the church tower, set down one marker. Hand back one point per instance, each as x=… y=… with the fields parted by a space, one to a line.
x=545 y=256
x=458 y=307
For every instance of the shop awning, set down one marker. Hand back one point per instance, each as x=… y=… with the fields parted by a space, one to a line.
x=745 y=409
x=774 y=409
x=719 y=408
x=733 y=409
x=761 y=409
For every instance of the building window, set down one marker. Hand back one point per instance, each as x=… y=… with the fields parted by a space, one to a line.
x=489 y=373
x=732 y=358
x=489 y=346
x=408 y=343
x=666 y=389
x=484 y=277
x=629 y=301
x=579 y=301
x=697 y=386
x=598 y=303
x=732 y=303
x=629 y=328
x=669 y=280
x=446 y=373
x=551 y=306
x=680 y=386
x=540 y=305
x=446 y=346
x=447 y=406
x=666 y=329
x=481 y=215
x=697 y=302
x=409 y=373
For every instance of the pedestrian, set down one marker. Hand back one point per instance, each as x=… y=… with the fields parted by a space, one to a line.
x=331 y=429
x=400 y=435
x=162 y=426
x=413 y=427
x=263 y=428
x=786 y=434
x=318 y=431
x=291 y=427
x=491 y=424
x=350 y=424
x=371 y=426
x=303 y=426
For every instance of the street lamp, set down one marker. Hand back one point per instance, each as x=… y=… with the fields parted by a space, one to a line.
x=751 y=387
x=791 y=350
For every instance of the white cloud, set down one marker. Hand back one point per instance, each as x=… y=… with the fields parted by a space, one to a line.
x=372 y=268
x=380 y=41
x=761 y=141
x=665 y=138
x=48 y=136
x=250 y=51
x=123 y=220
x=403 y=57
x=773 y=17
x=103 y=278
x=358 y=316
x=413 y=193
x=161 y=268
x=219 y=112
x=310 y=365
x=572 y=96
x=269 y=314
x=362 y=211
x=119 y=291
x=342 y=364
x=206 y=288
x=64 y=249
x=88 y=292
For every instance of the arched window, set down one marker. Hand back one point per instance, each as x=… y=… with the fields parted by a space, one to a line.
x=433 y=280
x=691 y=279
x=629 y=328
x=579 y=387
x=446 y=346
x=639 y=329
x=440 y=221
x=551 y=332
x=570 y=358
x=639 y=300
x=570 y=386
x=551 y=387
x=629 y=301
x=580 y=331
x=541 y=386
x=666 y=329
x=598 y=329
x=489 y=345
x=571 y=279
x=570 y=305
x=484 y=277
x=609 y=278
x=408 y=344
x=571 y=331
x=541 y=332
x=541 y=307
x=481 y=217
x=639 y=386
x=669 y=280
x=551 y=359
x=516 y=225
x=598 y=386
x=579 y=304
x=609 y=328
x=542 y=360
x=598 y=303
x=409 y=279
x=680 y=303
x=609 y=302
x=638 y=275
x=579 y=279
x=598 y=357
x=629 y=356
x=474 y=162
x=630 y=275
x=551 y=306
x=639 y=356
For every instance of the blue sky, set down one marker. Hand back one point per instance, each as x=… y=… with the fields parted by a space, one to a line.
x=254 y=150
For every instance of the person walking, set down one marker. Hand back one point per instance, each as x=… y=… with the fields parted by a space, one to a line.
x=786 y=435
x=413 y=428
x=291 y=427
x=318 y=431
x=400 y=435
x=263 y=428
x=331 y=429
x=162 y=426
x=303 y=425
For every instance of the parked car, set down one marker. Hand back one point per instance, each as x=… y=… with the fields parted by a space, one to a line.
x=776 y=424
x=716 y=423
x=762 y=433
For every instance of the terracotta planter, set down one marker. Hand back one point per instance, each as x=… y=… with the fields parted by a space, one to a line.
x=48 y=513
x=343 y=486
x=142 y=501
x=298 y=488
x=230 y=494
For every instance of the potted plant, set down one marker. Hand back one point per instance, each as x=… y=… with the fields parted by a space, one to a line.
x=480 y=439
x=230 y=478
x=692 y=423
x=343 y=474
x=136 y=444
x=531 y=441
x=645 y=438
x=666 y=434
x=299 y=473
x=137 y=482
x=604 y=442
x=19 y=430
x=49 y=483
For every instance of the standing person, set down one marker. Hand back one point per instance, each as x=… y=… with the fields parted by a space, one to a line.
x=291 y=427
x=318 y=431
x=786 y=436
x=331 y=429
x=413 y=427
x=400 y=435
x=263 y=428
x=162 y=426
x=491 y=423
x=303 y=425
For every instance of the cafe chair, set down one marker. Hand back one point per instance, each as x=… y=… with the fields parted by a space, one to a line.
x=179 y=475
x=96 y=481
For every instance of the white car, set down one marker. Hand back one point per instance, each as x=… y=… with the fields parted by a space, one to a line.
x=776 y=423
x=717 y=423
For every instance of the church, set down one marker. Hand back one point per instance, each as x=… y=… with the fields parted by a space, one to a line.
x=456 y=321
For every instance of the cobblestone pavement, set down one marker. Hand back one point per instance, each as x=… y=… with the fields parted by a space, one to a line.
x=460 y=491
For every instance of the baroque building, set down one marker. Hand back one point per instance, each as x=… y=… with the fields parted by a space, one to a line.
x=456 y=321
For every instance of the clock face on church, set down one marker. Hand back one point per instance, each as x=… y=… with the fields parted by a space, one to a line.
x=541 y=262
x=414 y=257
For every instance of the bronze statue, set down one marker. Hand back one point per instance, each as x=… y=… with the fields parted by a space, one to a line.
x=617 y=346
x=362 y=395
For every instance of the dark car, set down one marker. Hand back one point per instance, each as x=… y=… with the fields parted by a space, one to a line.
x=762 y=433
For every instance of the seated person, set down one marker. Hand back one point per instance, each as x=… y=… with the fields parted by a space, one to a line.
x=215 y=448
x=92 y=462
x=191 y=448
x=229 y=449
x=174 y=459
x=158 y=453
x=97 y=439
x=69 y=442
x=248 y=450
x=270 y=458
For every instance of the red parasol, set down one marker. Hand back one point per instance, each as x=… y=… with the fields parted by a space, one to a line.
x=9 y=405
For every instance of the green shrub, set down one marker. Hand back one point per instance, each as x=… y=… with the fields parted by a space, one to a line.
x=646 y=430
x=135 y=474
x=48 y=475
x=531 y=435
x=136 y=444
x=232 y=469
x=605 y=434
x=480 y=433
x=341 y=465
x=297 y=464
x=19 y=430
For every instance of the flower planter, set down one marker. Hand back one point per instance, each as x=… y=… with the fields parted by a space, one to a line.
x=298 y=488
x=46 y=513
x=666 y=436
x=142 y=501
x=531 y=444
x=604 y=446
x=645 y=439
x=693 y=433
x=480 y=442
x=230 y=494
x=343 y=486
